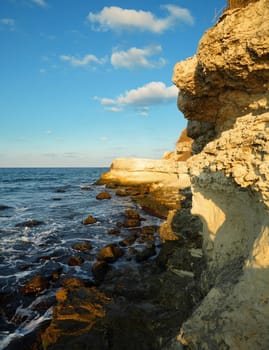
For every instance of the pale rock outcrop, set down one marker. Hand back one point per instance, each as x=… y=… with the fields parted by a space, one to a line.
x=228 y=77
x=136 y=171
x=183 y=149
x=226 y=85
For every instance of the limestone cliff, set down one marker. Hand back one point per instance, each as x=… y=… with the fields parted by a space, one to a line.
x=224 y=93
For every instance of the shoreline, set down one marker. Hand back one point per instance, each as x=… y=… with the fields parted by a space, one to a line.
x=116 y=290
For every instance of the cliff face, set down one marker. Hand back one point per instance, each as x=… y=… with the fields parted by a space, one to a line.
x=224 y=93
x=228 y=77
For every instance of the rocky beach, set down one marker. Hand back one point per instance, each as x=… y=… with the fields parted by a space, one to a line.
x=198 y=277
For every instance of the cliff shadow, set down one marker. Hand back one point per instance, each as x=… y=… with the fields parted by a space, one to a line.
x=234 y=311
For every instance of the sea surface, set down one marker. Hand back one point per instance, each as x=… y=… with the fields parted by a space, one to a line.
x=54 y=198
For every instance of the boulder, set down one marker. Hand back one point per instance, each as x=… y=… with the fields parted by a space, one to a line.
x=89 y=220
x=146 y=253
x=132 y=214
x=35 y=286
x=114 y=231
x=75 y=261
x=30 y=223
x=103 y=195
x=131 y=223
x=83 y=246
x=110 y=253
x=99 y=270
x=85 y=188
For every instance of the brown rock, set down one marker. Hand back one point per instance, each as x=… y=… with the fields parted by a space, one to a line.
x=110 y=253
x=122 y=192
x=103 y=195
x=75 y=261
x=36 y=285
x=149 y=230
x=85 y=188
x=89 y=220
x=72 y=282
x=99 y=270
x=83 y=246
x=131 y=222
x=74 y=318
x=111 y=185
x=145 y=254
x=30 y=223
x=126 y=242
x=132 y=251
x=114 y=231
x=131 y=214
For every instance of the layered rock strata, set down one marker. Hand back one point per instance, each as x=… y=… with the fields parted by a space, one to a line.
x=135 y=171
x=162 y=178
x=227 y=81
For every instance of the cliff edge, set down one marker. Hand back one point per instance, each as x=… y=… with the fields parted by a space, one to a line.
x=224 y=94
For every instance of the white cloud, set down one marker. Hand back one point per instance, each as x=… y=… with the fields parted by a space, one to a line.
x=113 y=109
x=84 y=61
x=103 y=138
x=41 y=3
x=153 y=93
x=117 y=18
x=8 y=22
x=135 y=57
x=49 y=132
x=106 y=101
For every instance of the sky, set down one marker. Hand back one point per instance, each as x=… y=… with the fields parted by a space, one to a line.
x=83 y=82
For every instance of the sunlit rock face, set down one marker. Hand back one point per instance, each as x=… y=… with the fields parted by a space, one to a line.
x=183 y=149
x=136 y=171
x=228 y=77
x=225 y=89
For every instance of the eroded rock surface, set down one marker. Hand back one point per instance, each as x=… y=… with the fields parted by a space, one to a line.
x=227 y=81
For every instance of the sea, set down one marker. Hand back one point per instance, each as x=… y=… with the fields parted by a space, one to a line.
x=57 y=200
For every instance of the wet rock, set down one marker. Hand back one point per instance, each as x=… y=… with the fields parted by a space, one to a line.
x=114 y=231
x=132 y=251
x=60 y=190
x=72 y=282
x=30 y=223
x=131 y=223
x=4 y=207
x=75 y=316
x=89 y=220
x=149 y=230
x=145 y=238
x=121 y=192
x=36 y=285
x=111 y=185
x=119 y=224
x=103 y=195
x=99 y=270
x=85 y=188
x=56 y=199
x=132 y=214
x=75 y=261
x=83 y=246
x=110 y=253
x=126 y=242
x=146 y=253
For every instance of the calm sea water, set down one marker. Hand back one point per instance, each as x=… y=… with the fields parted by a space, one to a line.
x=55 y=198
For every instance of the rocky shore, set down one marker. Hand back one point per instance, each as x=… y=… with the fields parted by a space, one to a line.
x=206 y=285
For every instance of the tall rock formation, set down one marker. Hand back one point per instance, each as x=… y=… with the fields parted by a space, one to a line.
x=224 y=94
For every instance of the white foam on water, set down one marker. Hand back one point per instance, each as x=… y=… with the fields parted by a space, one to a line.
x=25 y=329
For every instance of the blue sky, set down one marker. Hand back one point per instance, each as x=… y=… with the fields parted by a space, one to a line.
x=84 y=82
